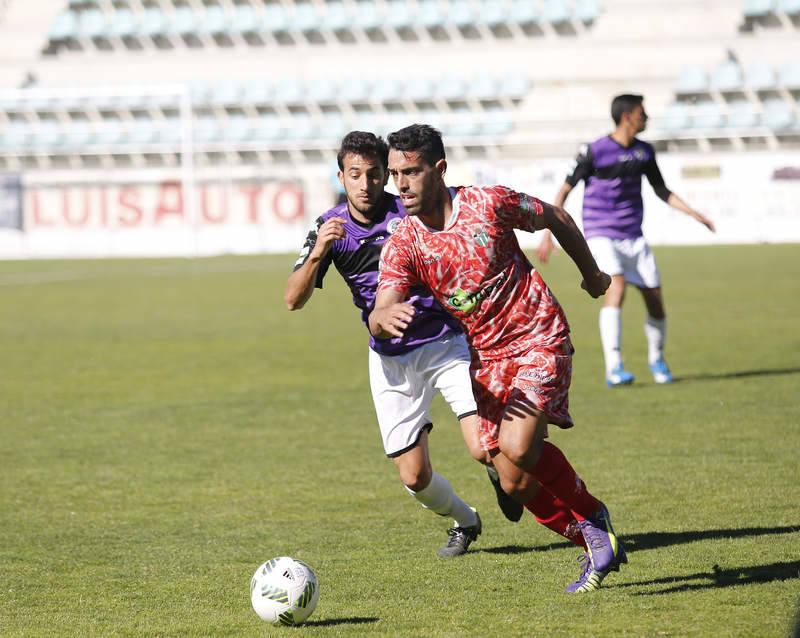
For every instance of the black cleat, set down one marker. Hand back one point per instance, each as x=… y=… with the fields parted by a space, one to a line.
x=460 y=539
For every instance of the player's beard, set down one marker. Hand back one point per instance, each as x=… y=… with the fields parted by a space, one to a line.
x=368 y=208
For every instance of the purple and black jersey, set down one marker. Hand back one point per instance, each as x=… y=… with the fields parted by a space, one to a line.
x=356 y=258
x=612 y=199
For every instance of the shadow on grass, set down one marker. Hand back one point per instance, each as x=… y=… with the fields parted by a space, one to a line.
x=339 y=621
x=653 y=540
x=719 y=577
x=737 y=375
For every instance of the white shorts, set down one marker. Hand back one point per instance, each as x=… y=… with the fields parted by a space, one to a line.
x=403 y=388
x=631 y=258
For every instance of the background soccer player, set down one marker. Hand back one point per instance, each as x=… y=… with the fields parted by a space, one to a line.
x=405 y=373
x=612 y=222
x=460 y=243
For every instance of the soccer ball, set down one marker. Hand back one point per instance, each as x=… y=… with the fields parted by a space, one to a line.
x=284 y=591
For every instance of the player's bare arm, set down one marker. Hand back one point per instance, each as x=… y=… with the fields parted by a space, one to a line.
x=300 y=285
x=546 y=245
x=391 y=315
x=566 y=231
x=677 y=203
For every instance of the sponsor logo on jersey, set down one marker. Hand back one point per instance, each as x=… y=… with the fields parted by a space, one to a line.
x=481 y=238
x=466 y=301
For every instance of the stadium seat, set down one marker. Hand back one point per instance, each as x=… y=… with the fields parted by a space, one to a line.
x=758 y=8
x=306 y=17
x=462 y=13
x=556 y=12
x=206 y=129
x=742 y=114
x=184 y=22
x=464 y=122
x=430 y=14
x=398 y=14
x=199 y=92
x=142 y=131
x=675 y=117
x=692 y=79
x=419 y=89
x=522 y=12
x=761 y=77
x=321 y=89
x=226 y=92
x=332 y=127
x=301 y=127
x=451 y=87
x=215 y=21
x=587 y=10
x=47 y=134
x=258 y=92
x=289 y=90
x=778 y=114
x=109 y=132
x=367 y=15
x=337 y=18
x=93 y=24
x=64 y=27
x=789 y=7
x=275 y=19
x=387 y=89
x=244 y=19
x=727 y=77
x=171 y=132
x=790 y=75
x=268 y=128
x=236 y=129
x=123 y=24
x=154 y=23
x=707 y=114
x=515 y=85
x=15 y=135
x=354 y=89
x=492 y=13
x=483 y=86
x=496 y=122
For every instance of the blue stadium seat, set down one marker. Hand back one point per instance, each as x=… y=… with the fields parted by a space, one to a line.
x=354 y=88
x=268 y=128
x=727 y=77
x=154 y=23
x=321 y=89
x=333 y=127
x=398 y=14
x=93 y=24
x=15 y=135
x=496 y=122
x=675 y=117
x=109 y=132
x=275 y=19
x=790 y=75
x=236 y=128
x=142 y=131
x=692 y=79
x=123 y=24
x=556 y=12
x=707 y=114
x=492 y=13
x=200 y=92
x=244 y=19
x=587 y=10
x=464 y=123
x=306 y=17
x=65 y=27
x=301 y=127
x=522 y=12
x=462 y=13
x=206 y=129
x=483 y=86
x=171 y=132
x=289 y=90
x=337 y=18
x=789 y=7
x=742 y=114
x=387 y=89
x=515 y=85
x=258 y=92
x=226 y=92
x=430 y=14
x=451 y=87
x=758 y=8
x=367 y=15
x=434 y=117
x=215 y=21
x=47 y=134
x=778 y=114
x=184 y=22
x=761 y=77
x=419 y=88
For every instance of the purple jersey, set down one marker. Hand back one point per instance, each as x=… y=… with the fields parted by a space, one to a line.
x=356 y=258
x=612 y=199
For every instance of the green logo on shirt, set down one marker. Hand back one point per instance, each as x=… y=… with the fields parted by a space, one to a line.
x=463 y=300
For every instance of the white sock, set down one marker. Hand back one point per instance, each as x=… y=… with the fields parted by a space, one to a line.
x=440 y=497
x=611 y=336
x=656 y=332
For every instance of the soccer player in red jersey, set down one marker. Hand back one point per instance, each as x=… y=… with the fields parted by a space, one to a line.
x=460 y=243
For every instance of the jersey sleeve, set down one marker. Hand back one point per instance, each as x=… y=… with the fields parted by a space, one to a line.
x=652 y=171
x=396 y=270
x=519 y=210
x=308 y=246
x=582 y=167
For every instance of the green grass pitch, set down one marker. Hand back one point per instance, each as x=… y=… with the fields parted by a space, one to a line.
x=167 y=425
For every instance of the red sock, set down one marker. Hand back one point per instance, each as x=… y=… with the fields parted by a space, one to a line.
x=554 y=515
x=556 y=475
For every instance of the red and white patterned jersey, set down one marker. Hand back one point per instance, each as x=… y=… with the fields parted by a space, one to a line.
x=477 y=271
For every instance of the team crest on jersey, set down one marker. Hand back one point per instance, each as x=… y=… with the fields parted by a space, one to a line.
x=481 y=238
x=392 y=225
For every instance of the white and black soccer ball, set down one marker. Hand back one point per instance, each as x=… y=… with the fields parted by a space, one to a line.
x=284 y=591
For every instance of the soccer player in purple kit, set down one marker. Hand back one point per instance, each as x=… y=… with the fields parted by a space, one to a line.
x=612 y=167
x=405 y=373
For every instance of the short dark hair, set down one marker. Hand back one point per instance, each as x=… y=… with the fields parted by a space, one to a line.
x=420 y=138
x=624 y=104
x=365 y=144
